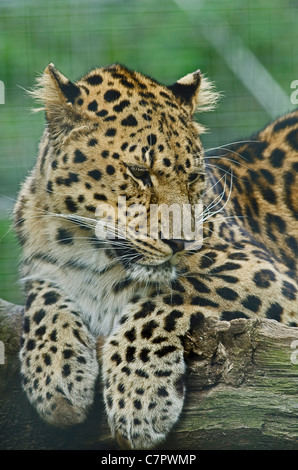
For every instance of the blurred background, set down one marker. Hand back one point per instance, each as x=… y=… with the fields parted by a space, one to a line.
x=248 y=48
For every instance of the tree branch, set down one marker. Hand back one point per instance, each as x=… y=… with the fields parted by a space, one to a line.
x=242 y=392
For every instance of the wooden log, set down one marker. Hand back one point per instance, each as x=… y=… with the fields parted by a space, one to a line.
x=242 y=386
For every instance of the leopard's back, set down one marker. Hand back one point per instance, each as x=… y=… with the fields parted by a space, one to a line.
x=259 y=177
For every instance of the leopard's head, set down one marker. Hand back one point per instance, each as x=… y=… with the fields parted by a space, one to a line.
x=125 y=152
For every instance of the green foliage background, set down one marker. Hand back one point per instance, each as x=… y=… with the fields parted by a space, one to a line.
x=165 y=39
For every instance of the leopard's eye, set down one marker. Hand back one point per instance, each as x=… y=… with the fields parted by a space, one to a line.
x=140 y=173
x=193 y=177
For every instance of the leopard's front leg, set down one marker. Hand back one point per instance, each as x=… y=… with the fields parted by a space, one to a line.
x=58 y=357
x=143 y=370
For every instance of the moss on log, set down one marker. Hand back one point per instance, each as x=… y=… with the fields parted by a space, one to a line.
x=242 y=392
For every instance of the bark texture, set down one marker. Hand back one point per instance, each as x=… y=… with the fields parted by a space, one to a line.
x=242 y=392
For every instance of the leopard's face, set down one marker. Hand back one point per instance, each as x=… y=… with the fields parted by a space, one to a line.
x=124 y=148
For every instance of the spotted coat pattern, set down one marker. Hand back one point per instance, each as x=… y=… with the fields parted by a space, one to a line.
x=115 y=133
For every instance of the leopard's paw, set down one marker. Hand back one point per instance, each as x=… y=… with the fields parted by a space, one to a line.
x=60 y=382
x=144 y=401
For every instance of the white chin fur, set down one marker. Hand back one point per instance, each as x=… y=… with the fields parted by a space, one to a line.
x=152 y=274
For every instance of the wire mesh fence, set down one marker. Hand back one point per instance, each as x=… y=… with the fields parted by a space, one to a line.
x=249 y=48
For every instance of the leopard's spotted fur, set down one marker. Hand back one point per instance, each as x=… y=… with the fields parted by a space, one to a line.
x=117 y=132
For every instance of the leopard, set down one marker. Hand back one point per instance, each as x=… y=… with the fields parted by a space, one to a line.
x=114 y=136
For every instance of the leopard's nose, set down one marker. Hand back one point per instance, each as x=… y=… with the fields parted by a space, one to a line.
x=175 y=245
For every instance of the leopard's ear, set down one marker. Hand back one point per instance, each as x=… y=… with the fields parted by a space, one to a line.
x=195 y=92
x=56 y=93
